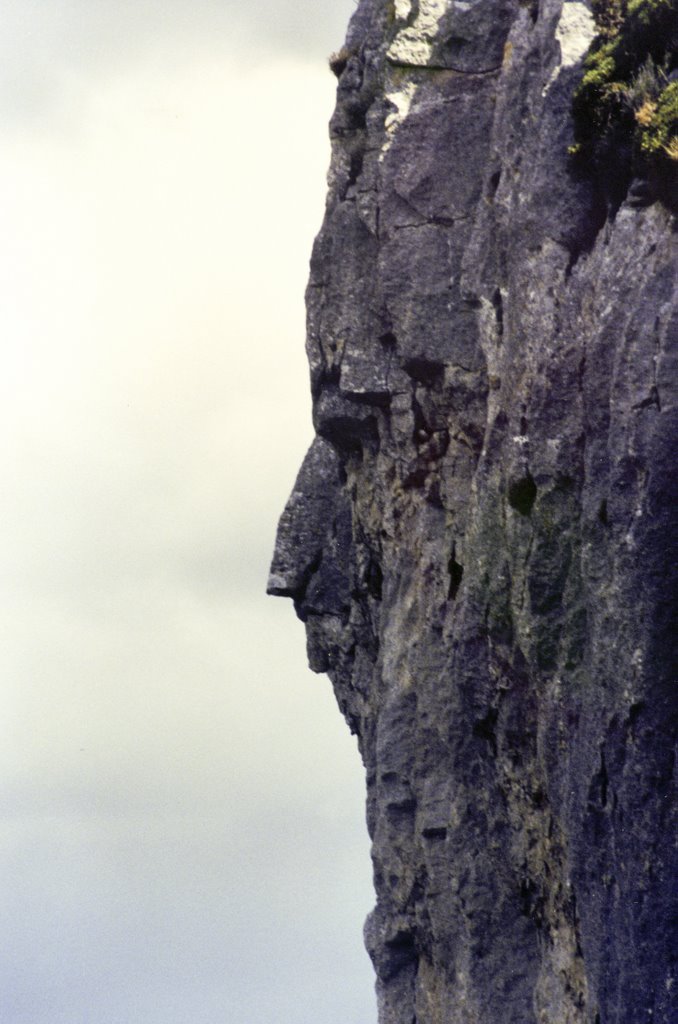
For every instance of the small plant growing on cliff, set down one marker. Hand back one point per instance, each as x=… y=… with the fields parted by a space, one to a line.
x=626 y=105
x=339 y=60
x=609 y=15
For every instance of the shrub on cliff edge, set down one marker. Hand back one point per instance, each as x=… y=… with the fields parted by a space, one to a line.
x=626 y=105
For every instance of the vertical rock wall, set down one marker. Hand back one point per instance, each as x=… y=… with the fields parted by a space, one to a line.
x=482 y=539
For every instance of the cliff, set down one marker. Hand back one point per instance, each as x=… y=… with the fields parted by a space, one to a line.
x=482 y=539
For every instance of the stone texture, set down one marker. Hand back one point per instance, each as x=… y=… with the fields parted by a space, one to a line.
x=482 y=539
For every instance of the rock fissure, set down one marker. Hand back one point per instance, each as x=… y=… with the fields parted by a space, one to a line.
x=479 y=72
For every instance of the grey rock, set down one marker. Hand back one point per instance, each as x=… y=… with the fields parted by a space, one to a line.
x=482 y=540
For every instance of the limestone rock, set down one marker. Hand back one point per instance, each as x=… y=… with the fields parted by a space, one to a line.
x=482 y=540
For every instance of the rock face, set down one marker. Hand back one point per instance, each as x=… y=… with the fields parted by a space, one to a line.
x=482 y=539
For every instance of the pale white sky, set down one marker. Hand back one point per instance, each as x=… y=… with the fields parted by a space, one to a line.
x=181 y=806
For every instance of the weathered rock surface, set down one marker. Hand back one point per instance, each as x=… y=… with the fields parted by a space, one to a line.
x=482 y=541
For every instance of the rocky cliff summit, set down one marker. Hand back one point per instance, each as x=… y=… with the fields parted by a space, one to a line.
x=482 y=539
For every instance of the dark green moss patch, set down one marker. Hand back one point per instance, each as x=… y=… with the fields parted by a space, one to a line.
x=522 y=494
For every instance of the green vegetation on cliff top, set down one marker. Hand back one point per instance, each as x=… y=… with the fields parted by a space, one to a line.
x=626 y=105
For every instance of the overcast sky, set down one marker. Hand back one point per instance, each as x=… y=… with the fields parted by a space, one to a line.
x=181 y=806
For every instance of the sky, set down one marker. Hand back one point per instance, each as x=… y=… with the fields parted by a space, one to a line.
x=182 y=831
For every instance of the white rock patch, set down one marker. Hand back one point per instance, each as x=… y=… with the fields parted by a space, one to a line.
x=402 y=101
x=413 y=45
x=575 y=32
x=403 y=9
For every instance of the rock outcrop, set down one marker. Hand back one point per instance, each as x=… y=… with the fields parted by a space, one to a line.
x=482 y=539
